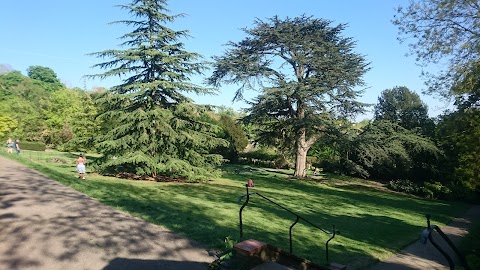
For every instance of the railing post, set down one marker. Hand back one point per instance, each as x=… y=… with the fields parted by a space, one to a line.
x=240 y=213
x=290 y=233
x=334 y=232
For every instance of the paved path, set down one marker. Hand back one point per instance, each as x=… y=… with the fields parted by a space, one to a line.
x=45 y=225
x=421 y=257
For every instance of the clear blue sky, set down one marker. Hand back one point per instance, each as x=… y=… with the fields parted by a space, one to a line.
x=59 y=34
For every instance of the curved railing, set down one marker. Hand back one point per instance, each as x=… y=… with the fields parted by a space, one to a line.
x=427 y=235
x=297 y=219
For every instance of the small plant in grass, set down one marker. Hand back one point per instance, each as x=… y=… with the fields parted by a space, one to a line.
x=225 y=257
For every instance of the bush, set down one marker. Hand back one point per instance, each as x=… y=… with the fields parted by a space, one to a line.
x=403 y=185
x=437 y=190
x=33 y=146
x=264 y=158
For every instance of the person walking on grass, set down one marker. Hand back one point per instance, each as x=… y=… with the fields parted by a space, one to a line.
x=80 y=163
x=9 y=146
x=16 y=146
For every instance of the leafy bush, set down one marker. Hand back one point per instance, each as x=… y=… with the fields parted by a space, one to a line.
x=33 y=146
x=437 y=190
x=403 y=185
x=432 y=190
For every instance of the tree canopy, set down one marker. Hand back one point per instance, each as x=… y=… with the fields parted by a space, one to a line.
x=307 y=75
x=45 y=75
x=442 y=30
x=405 y=108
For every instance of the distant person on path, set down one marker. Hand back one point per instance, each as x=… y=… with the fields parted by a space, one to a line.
x=9 y=145
x=80 y=162
x=16 y=145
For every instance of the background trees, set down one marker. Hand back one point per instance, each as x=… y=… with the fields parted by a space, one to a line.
x=159 y=131
x=45 y=75
x=458 y=135
x=35 y=112
x=449 y=30
x=405 y=108
x=307 y=74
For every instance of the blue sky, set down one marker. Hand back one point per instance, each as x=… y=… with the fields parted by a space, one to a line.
x=59 y=34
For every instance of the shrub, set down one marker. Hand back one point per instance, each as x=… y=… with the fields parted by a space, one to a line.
x=437 y=190
x=263 y=157
x=33 y=146
x=403 y=185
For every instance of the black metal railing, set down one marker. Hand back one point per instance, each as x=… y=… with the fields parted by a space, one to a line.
x=297 y=219
x=427 y=235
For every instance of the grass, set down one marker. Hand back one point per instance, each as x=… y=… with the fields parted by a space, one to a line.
x=373 y=223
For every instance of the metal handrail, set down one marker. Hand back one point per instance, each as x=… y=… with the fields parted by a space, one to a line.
x=297 y=219
x=427 y=235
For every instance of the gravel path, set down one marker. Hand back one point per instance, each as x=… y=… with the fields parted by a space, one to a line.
x=45 y=225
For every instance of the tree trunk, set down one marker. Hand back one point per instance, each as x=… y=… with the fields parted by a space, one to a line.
x=301 y=155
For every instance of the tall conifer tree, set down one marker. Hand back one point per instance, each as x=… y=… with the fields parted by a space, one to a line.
x=158 y=130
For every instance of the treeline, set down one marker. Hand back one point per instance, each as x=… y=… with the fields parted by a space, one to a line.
x=38 y=108
x=432 y=157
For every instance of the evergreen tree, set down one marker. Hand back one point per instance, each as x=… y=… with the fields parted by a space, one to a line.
x=307 y=74
x=405 y=108
x=159 y=131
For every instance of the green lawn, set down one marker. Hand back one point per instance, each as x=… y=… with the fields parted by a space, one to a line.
x=373 y=223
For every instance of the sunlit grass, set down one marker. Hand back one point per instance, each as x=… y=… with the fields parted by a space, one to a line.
x=373 y=223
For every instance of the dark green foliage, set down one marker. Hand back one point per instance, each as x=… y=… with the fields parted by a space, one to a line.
x=173 y=143
x=46 y=76
x=404 y=107
x=308 y=76
x=235 y=135
x=405 y=186
x=429 y=190
x=34 y=146
x=382 y=150
x=458 y=136
x=43 y=74
x=152 y=128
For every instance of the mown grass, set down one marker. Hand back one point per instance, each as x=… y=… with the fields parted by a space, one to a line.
x=373 y=223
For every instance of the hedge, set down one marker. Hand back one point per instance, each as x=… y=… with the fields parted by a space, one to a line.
x=34 y=146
